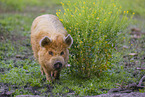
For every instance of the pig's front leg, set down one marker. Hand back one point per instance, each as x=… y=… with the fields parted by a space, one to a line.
x=56 y=74
x=41 y=69
x=47 y=73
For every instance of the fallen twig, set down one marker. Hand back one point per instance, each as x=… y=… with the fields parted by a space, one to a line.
x=140 y=82
x=129 y=88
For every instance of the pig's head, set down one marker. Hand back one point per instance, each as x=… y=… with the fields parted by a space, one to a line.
x=54 y=52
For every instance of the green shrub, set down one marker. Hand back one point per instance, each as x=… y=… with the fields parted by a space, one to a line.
x=94 y=26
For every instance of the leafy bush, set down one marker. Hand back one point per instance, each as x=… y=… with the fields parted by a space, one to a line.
x=94 y=26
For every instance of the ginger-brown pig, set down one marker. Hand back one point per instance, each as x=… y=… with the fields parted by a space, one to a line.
x=50 y=43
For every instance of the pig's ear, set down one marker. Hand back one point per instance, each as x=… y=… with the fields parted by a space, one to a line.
x=45 y=41
x=69 y=40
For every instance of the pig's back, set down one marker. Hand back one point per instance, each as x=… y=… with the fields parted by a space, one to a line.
x=48 y=24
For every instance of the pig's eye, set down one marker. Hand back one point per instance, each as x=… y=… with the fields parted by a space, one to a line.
x=62 y=53
x=50 y=53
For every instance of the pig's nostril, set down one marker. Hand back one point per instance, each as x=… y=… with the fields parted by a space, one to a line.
x=58 y=65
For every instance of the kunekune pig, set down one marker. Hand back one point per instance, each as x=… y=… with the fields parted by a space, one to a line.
x=50 y=43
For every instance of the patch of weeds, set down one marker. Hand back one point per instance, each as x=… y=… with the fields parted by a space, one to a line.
x=132 y=49
x=22 y=4
x=23 y=75
x=14 y=23
x=6 y=50
x=26 y=78
x=131 y=46
x=142 y=90
x=92 y=86
x=22 y=91
x=136 y=6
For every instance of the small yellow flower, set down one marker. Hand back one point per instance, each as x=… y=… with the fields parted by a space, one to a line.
x=105 y=41
x=84 y=2
x=57 y=14
x=133 y=13
x=94 y=3
x=61 y=19
x=93 y=15
x=120 y=6
x=104 y=19
x=110 y=12
x=123 y=37
x=97 y=18
x=62 y=3
x=79 y=13
x=127 y=12
x=131 y=44
x=100 y=22
x=59 y=10
x=124 y=11
x=64 y=13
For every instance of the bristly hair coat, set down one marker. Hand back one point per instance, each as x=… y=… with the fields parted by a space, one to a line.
x=50 y=43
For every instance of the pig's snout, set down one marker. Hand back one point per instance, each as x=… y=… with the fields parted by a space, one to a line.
x=57 y=65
